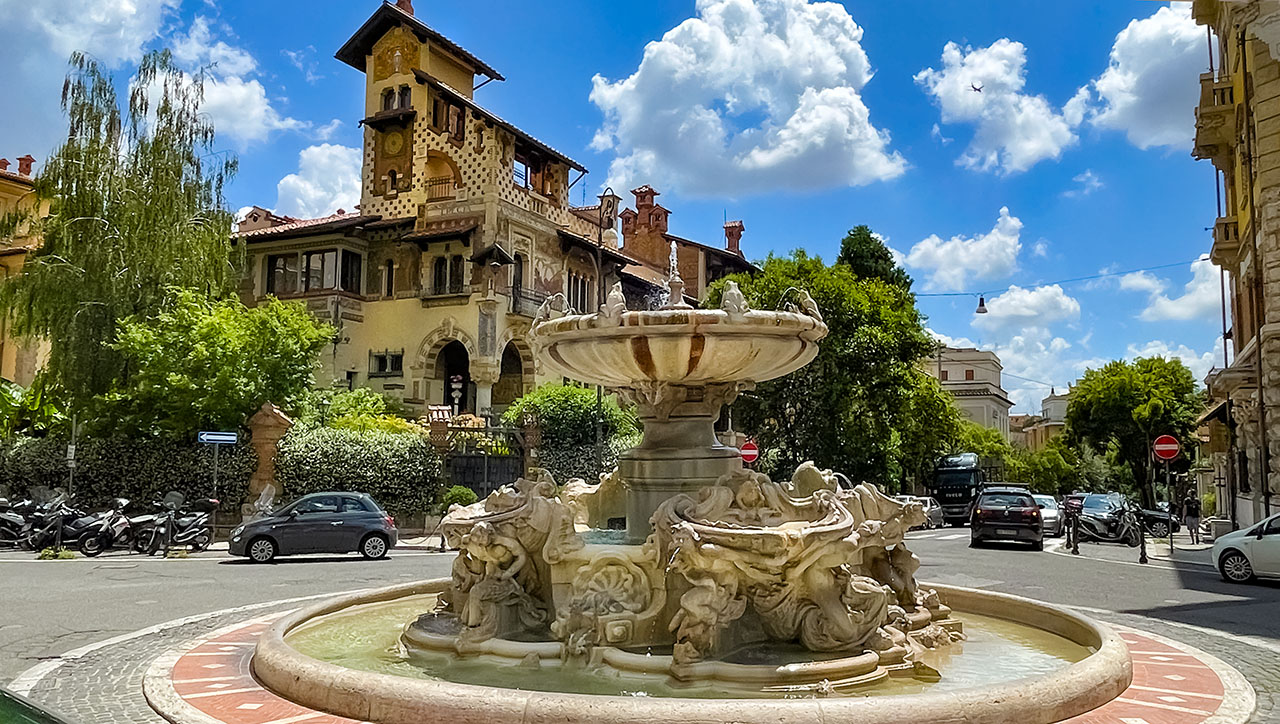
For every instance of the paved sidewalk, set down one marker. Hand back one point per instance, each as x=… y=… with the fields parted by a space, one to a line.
x=1184 y=553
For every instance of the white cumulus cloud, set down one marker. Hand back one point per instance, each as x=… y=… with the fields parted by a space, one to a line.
x=747 y=96
x=1151 y=84
x=1201 y=298
x=951 y=263
x=985 y=87
x=1020 y=309
x=1199 y=363
x=38 y=39
x=328 y=179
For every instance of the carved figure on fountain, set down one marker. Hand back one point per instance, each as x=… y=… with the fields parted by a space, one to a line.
x=506 y=545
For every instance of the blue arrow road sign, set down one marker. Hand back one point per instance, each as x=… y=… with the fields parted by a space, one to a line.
x=218 y=438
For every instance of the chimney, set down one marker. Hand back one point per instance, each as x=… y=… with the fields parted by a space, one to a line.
x=4 y=164
x=733 y=236
x=24 y=165
x=406 y=6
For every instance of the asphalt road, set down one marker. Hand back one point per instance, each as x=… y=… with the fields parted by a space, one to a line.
x=50 y=607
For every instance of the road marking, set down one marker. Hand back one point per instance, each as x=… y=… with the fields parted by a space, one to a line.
x=207 y=694
x=1167 y=707
x=27 y=680
x=300 y=717
x=1156 y=690
x=208 y=678
x=954 y=536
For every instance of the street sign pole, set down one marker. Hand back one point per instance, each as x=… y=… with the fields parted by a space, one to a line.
x=216 y=448
x=217 y=440
x=1168 y=486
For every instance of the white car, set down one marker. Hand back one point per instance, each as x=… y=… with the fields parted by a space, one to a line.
x=1245 y=554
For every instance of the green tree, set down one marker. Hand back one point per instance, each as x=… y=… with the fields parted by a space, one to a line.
x=566 y=416
x=850 y=408
x=926 y=430
x=864 y=253
x=137 y=209
x=200 y=363
x=1126 y=405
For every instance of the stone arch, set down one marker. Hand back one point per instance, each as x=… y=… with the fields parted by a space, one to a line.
x=528 y=363
x=429 y=350
x=437 y=161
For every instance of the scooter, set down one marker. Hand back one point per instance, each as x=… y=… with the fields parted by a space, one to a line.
x=1119 y=525
x=178 y=525
x=13 y=518
x=42 y=529
x=111 y=528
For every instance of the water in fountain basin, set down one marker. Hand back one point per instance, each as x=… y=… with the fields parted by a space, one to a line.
x=367 y=638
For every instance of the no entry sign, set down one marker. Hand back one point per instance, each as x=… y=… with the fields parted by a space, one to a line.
x=1166 y=447
x=750 y=452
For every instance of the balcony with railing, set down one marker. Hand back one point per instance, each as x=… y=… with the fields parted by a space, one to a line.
x=441 y=188
x=1226 y=241
x=525 y=302
x=1215 y=119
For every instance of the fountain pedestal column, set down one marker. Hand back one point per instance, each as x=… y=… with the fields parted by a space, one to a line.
x=680 y=452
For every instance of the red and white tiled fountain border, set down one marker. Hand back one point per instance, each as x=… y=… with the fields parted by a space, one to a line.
x=209 y=682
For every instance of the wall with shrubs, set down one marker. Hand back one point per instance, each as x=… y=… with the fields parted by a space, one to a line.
x=140 y=469
x=401 y=471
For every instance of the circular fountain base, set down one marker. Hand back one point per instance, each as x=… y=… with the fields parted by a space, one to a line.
x=1072 y=690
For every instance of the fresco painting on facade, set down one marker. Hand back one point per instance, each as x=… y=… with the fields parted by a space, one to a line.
x=464 y=227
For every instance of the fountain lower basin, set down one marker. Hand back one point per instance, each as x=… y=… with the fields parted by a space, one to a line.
x=413 y=693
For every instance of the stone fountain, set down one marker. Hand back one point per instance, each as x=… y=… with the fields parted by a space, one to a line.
x=682 y=571
x=718 y=563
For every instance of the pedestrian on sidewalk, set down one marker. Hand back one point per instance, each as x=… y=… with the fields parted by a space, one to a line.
x=1191 y=517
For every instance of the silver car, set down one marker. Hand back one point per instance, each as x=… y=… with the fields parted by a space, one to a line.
x=932 y=509
x=1051 y=515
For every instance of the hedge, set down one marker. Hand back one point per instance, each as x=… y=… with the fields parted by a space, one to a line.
x=401 y=471
x=140 y=469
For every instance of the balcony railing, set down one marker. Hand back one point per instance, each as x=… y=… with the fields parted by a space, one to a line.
x=524 y=302
x=1215 y=118
x=441 y=188
x=1226 y=240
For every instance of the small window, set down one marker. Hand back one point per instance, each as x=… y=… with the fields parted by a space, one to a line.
x=440 y=276
x=352 y=268
x=386 y=364
x=389 y=279
x=388 y=99
x=282 y=274
x=320 y=270
x=943 y=375
x=439 y=114
x=520 y=173
x=391 y=180
x=406 y=100
x=457 y=123
x=455 y=275
x=968 y=375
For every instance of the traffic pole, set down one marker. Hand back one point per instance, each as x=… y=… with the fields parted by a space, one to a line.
x=213 y=535
x=1168 y=486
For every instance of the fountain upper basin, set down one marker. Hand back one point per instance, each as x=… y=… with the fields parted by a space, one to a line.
x=678 y=346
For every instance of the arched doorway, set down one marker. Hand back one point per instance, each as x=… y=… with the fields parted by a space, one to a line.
x=454 y=365
x=510 y=384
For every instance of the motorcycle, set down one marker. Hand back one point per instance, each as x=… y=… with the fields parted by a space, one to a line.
x=13 y=517
x=54 y=519
x=1115 y=525
x=111 y=528
x=178 y=525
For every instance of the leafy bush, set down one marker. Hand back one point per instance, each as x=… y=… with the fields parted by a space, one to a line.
x=457 y=495
x=377 y=423
x=402 y=472
x=1209 y=504
x=140 y=469
x=566 y=417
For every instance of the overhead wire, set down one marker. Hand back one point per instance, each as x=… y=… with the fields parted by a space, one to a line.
x=1073 y=280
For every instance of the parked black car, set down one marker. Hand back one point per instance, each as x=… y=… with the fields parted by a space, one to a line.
x=318 y=523
x=1009 y=514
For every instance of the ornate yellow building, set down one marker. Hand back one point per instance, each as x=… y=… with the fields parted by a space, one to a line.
x=19 y=359
x=1238 y=130
x=464 y=227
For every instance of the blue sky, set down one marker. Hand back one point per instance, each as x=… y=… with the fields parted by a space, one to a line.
x=803 y=119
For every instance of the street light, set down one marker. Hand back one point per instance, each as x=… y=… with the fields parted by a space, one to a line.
x=982 y=305
x=324 y=410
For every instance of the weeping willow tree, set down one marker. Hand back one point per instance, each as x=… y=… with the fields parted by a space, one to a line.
x=136 y=211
